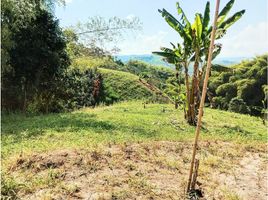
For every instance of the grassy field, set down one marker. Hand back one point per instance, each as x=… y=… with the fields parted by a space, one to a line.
x=153 y=141
x=119 y=123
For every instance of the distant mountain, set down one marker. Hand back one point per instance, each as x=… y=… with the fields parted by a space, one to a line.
x=157 y=60
x=148 y=58
x=229 y=60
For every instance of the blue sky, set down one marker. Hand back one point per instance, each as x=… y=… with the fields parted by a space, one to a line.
x=246 y=38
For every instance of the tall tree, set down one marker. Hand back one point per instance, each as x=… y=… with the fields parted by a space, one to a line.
x=34 y=52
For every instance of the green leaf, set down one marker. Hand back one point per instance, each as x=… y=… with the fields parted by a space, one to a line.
x=183 y=17
x=197 y=26
x=176 y=25
x=185 y=21
x=163 y=54
x=216 y=51
x=225 y=11
x=230 y=21
x=206 y=16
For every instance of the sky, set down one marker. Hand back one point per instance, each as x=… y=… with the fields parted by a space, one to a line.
x=246 y=38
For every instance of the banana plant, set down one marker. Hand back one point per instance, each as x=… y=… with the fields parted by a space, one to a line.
x=195 y=45
x=179 y=57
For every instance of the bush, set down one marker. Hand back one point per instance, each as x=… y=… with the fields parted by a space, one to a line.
x=245 y=81
x=82 y=88
x=238 y=105
x=227 y=90
x=9 y=187
x=220 y=102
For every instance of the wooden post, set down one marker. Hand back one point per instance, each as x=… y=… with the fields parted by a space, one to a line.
x=204 y=91
x=195 y=174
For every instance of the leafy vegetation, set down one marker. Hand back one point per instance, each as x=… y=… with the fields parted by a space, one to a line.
x=194 y=48
x=241 y=87
x=122 y=81
x=37 y=76
x=58 y=124
x=31 y=68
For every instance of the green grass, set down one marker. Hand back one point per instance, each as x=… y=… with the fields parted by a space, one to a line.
x=123 y=122
x=119 y=85
x=124 y=85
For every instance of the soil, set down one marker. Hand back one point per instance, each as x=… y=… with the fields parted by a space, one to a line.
x=155 y=170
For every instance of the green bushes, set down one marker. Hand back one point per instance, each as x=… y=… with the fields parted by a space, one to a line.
x=83 y=88
x=238 y=105
x=75 y=89
x=241 y=88
x=9 y=188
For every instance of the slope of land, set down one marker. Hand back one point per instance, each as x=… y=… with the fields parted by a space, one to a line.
x=124 y=85
x=125 y=152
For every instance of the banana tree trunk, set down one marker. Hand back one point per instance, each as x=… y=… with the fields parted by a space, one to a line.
x=194 y=97
x=188 y=111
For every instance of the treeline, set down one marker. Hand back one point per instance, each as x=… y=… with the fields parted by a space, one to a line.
x=241 y=88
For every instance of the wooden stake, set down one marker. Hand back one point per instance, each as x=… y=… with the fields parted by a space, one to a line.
x=195 y=174
x=204 y=91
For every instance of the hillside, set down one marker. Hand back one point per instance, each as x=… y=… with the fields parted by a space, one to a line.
x=122 y=82
x=123 y=85
x=242 y=87
x=124 y=149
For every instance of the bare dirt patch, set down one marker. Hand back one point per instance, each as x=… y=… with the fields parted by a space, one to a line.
x=155 y=170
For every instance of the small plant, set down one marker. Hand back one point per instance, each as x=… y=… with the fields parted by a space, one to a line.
x=9 y=187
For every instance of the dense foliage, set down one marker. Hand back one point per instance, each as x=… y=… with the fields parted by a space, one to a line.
x=241 y=88
x=35 y=59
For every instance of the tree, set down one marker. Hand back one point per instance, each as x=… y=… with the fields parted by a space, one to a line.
x=16 y=14
x=194 y=48
x=99 y=32
x=37 y=59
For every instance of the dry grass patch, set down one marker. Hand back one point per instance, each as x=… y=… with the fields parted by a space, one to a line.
x=155 y=170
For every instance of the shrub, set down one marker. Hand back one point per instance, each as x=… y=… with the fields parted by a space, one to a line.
x=245 y=82
x=238 y=105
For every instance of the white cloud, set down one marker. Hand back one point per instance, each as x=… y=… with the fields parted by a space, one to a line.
x=130 y=17
x=68 y=1
x=250 y=41
x=143 y=44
